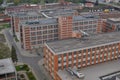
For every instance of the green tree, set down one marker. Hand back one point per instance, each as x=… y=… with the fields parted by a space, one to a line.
x=35 y=1
x=83 y=1
x=16 y=2
x=14 y=55
x=1 y=1
x=97 y=2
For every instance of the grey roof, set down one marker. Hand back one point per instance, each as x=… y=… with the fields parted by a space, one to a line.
x=114 y=20
x=118 y=76
x=86 y=17
x=70 y=45
x=48 y=21
x=41 y=22
x=59 y=12
x=29 y=13
x=6 y=66
x=65 y=75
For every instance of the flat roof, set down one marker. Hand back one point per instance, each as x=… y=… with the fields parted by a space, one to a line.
x=114 y=20
x=29 y=13
x=95 y=72
x=84 y=17
x=65 y=75
x=113 y=14
x=33 y=23
x=70 y=45
x=6 y=66
x=59 y=12
x=47 y=21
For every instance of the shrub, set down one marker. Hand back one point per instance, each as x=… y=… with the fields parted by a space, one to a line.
x=30 y=76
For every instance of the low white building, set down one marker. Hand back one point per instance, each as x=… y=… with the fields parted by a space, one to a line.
x=7 y=70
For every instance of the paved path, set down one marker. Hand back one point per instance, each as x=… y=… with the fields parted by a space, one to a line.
x=32 y=61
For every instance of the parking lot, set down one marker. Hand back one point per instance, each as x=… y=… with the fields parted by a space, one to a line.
x=95 y=71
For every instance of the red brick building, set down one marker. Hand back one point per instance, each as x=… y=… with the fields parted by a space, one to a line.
x=80 y=53
x=112 y=24
x=63 y=27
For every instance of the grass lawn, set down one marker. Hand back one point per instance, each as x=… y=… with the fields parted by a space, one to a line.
x=3 y=26
x=4 y=51
x=22 y=68
x=16 y=39
x=30 y=76
x=2 y=38
x=27 y=69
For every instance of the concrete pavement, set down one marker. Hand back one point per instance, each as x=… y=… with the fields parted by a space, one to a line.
x=40 y=63
x=31 y=61
x=95 y=71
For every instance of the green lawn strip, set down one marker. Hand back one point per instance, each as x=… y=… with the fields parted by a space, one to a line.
x=30 y=76
x=22 y=68
x=7 y=25
x=3 y=26
x=2 y=38
x=16 y=39
x=4 y=51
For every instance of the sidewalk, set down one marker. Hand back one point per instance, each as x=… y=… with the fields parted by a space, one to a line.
x=40 y=63
x=22 y=51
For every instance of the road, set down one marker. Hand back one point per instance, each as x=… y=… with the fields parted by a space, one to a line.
x=32 y=61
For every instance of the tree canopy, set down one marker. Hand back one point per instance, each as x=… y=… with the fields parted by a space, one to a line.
x=14 y=55
x=1 y=1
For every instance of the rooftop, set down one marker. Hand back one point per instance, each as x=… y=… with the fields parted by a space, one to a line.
x=29 y=13
x=41 y=22
x=70 y=45
x=47 y=21
x=6 y=66
x=65 y=75
x=112 y=14
x=59 y=12
x=84 y=17
x=115 y=20
x=102 y=71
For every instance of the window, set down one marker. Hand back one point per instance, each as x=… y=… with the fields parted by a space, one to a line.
x=38 y=28
x=33 y=38
x=56 y=30
x=33 y=28
x=44 y=27
x=90 y=22
x=55 y=26
x=85 y=22
x=44 y=32
x=33 y=33
x=33 y=43
x=81 y=23
x=39 y=33
x=39 y=37
x=70 y=53
x=55 y=35
x=39 y=42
